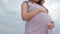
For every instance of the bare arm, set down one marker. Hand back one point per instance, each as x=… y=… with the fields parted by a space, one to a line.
x=25 y=15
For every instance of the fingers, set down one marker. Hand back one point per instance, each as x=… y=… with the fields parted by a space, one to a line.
x=52 y=22
x=51 y=26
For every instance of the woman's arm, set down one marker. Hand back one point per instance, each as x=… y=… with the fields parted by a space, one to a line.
x=25 y=15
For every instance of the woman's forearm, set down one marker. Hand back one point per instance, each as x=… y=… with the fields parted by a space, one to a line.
x=31 y=14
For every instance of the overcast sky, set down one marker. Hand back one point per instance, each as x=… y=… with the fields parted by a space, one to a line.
x=10 y=16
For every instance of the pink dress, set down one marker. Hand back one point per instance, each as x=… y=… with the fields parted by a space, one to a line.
x=38 y=24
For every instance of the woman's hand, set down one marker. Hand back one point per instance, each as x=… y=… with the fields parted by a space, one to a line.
x=50 y=26
x=37 y=9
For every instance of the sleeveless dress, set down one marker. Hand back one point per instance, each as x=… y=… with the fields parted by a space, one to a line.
x=38 y=24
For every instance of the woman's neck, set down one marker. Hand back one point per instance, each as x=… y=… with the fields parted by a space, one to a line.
x=32 y=2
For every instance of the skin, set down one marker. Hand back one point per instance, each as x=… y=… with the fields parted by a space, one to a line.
x=27 y=16
x=50 y=26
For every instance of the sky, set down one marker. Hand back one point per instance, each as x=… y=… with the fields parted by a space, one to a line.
x=10 y=16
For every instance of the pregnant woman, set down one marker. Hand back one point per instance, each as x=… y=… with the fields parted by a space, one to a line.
x=36 y=16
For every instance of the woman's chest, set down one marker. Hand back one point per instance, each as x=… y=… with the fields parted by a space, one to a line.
x=31 y=7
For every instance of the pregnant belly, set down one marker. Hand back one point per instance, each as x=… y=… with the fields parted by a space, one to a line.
x=41 y=17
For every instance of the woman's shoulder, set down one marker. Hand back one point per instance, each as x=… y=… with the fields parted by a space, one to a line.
x=25 y=1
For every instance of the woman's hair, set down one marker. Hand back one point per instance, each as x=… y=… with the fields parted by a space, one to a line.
x=30 y=0
x=40 y=2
